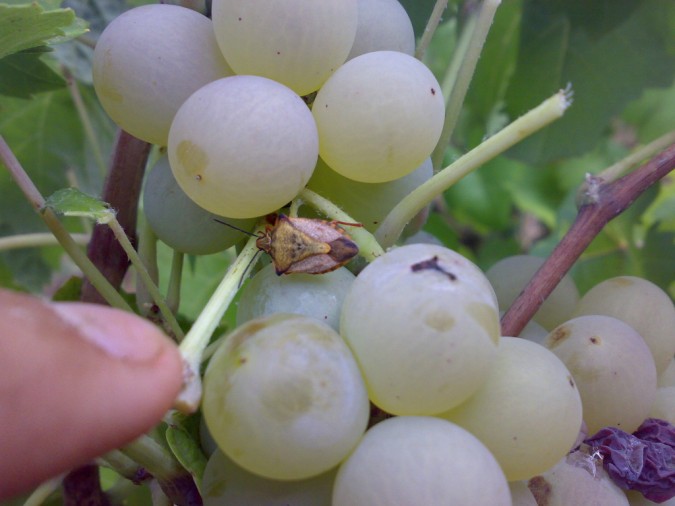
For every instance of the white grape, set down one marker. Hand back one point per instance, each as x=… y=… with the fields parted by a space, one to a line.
x=182 y=224
x=379 y=116
x=667 y=376
x=510 y=275
x=576 y=480
x=224 y=483
x=243 y=146
x=317 y=296
x=283 y=397
x=664 y=405
x=383 y=25
x=642 y=305
x=296 y=42
x=528 y=411
x=425 y=337
x=416 y=460
x=612 y=367
x=148 y=61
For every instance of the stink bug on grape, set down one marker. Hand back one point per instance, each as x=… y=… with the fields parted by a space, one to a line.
x=306 y=245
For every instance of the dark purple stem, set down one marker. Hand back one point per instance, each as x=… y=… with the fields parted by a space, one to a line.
x=82 y=488
x=121 y=190
x=604 y=201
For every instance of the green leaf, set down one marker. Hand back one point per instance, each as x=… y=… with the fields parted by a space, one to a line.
x=23 y=74
x=183 y=439
x=72 y=202
x=27 y=25
x=610 y=51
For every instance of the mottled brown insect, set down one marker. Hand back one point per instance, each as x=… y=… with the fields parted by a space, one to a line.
x=307 y=245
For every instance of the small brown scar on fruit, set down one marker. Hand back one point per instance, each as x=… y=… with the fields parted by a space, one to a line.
x=432 y=265
x=571 y=381
x=433 y=91
x=558 y=336
x=541 y=490
x=595 y=340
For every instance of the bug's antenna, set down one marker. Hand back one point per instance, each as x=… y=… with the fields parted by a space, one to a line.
x=236 y=228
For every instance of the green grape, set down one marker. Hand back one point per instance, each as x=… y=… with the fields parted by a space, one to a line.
x=417 y=460
x=667 y=376
x=642 y=305
x=182 y=224
x=383 y=25
x=527 y=412
x=379 y=116
x=510 y=275
x=298 y=43
x=576 y=480
x=612 y=367
x=243 y=146
x=224 y=483
x=367 y=203
x=148 y=61
x=664 y=405
x=422 y=322
x=317 y=296
x=283 y=397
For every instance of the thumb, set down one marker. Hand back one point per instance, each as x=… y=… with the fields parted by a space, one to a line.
x=76 y=380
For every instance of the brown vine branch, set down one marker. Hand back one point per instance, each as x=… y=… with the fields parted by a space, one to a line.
x=602 y=202
x=121 y=190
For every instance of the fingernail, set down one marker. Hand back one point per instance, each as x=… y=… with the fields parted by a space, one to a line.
x=117 y=333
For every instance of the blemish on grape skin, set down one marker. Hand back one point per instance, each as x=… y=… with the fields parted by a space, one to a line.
x=440 y=321
x=541 y=490
x=558 y=336
x=192 y=158
x=433 y=91
x=595 y=340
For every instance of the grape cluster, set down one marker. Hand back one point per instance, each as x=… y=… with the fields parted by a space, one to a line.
x=257 y=104
x=228 y=98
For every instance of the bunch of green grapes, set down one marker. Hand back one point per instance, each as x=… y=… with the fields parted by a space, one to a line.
x=394 y=386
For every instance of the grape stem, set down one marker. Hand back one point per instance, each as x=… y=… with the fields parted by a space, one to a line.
x=35 y=198
x=369 y=248
x=37 y=240
x=465 y=73
x=143 y=273
x=548 y=111
x=121 y=190
x=430 y=29
x=175 y=277
x=197 y=339
x=602 y=201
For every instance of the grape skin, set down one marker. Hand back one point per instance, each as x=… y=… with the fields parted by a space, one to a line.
x=528 y=412
x=424 y=342
x=383 y=25
x=179 y=222
x=298 y=43
x=642 y=305
x=243 y=146
x=148 y=61
x=612 y=367
x=283 y=397
x=317 y=296
x=379 y=116
x=416 y=460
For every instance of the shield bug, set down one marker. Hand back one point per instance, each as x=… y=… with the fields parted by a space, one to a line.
x=306 y=245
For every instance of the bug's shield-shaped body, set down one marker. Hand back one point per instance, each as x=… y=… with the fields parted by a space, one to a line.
x=306 y=245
